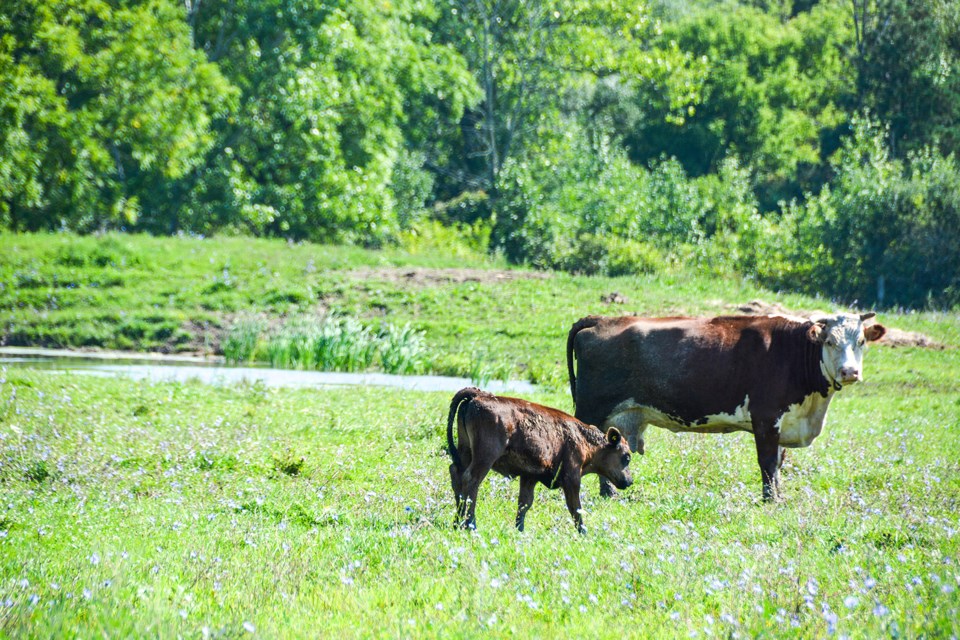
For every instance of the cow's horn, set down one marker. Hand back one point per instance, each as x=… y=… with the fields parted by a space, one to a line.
x=867 y=316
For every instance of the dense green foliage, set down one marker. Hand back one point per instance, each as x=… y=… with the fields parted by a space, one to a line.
x=176 y=509
x=585 y=135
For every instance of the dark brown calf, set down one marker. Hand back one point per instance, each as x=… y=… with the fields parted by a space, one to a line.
x=536 y=443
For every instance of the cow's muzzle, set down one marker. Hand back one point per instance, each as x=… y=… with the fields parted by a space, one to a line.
x=849 y=376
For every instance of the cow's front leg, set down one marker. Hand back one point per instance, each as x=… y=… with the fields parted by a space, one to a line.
x=571 y=491
x=525 y=501
x=769 y=456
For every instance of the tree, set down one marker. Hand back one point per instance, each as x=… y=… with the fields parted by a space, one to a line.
x=773 y=97
x=907 y=61
x=327 y=88
x=94 y=114
x=528 y=56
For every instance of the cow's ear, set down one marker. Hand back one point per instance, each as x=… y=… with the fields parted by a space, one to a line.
x=816 y=332
x=867 y=316
x=874 y=332
x=613 y=436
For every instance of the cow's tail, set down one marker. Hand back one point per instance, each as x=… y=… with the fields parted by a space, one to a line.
x=465 y=394
x=582 y=323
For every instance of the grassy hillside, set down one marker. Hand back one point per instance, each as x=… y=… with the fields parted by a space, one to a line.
x=477 y=317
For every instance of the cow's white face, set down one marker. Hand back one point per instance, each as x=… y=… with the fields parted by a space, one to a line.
x=843 y=337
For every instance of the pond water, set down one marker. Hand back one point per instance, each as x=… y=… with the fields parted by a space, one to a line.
x=184 y=369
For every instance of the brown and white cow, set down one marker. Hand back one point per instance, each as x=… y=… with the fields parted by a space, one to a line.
x=535 y=443
x=773 y=376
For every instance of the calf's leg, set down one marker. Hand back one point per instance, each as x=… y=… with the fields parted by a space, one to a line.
x=472 y=478
x=456 y=476
x=571 y=491
x=456 y=483
x=525 y=501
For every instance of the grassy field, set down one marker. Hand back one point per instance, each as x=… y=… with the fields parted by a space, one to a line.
x=476 y=317
x=182 y=510
x=139 y=510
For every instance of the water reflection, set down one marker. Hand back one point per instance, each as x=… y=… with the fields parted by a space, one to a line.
x=218 y=374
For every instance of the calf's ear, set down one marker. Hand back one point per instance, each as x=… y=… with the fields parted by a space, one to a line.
x=816 y=332
x=613 y=436
x=874 y=332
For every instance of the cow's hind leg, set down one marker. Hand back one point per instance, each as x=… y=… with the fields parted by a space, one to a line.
x=525 y=501
x=769 y=457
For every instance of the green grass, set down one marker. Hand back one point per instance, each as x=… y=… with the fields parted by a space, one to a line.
x=181 y=510
x=327 y=343
x=189 y=294
x=164 y=510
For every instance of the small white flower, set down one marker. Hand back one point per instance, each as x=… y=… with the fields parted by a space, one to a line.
x=850 y=602
x=248 y=627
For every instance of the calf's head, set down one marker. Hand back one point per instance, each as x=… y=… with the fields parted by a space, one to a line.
x=843 y=337
x=611 y=460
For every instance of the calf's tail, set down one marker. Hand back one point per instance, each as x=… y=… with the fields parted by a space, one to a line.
x=465 y=394
x=582 y=323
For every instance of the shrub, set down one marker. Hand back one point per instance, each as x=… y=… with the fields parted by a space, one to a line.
x=612 y=256
x=411 y=186
x=584 y=207
x=457 y=239
x=241 y=340
x=401 y=349
x=330 y=343
x=884 y=233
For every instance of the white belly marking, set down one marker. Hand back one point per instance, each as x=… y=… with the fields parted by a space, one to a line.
x=803 y=421
x=630 y=415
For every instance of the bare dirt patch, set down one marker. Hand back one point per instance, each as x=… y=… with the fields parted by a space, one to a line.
x=424 y=277
x=893 y=337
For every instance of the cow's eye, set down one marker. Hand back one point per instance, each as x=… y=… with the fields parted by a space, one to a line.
x=861 y=343
x=626 y=459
